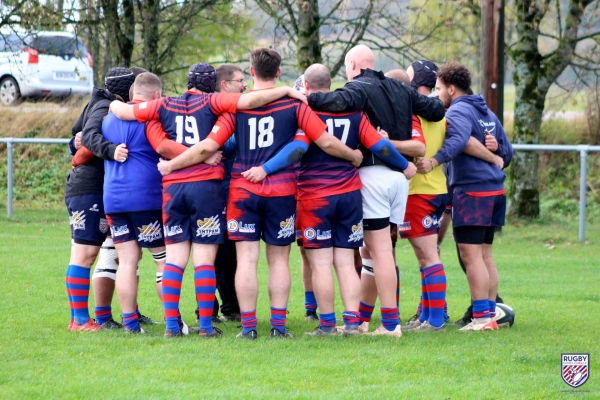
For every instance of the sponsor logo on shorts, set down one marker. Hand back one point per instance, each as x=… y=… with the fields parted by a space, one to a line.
x=405 y=226
x=323 y=235
x=103 y=225
x=235 y=226
x=310 y=233
x=119 y=230
x=430 y=221
x=94 y=208
x=288 y=228
x=357 y=233
x=208 y=226
x=78 y=220
x=173 y=230
x=575 y=369
x=150 y=232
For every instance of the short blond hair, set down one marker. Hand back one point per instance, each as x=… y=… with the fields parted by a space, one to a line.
x=146 y=84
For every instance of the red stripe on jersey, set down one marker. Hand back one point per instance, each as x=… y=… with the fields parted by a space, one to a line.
x=487 y=194
x=148 y=111
x=417 y=131
x=281 y=184
x=367 y=134
x=195 y=173
x=309 y=122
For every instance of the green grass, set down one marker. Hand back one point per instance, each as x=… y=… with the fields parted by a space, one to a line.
x=549 y=278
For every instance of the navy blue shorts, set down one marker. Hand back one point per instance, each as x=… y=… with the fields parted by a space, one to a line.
x=144 y=226
x=333 y=221
x=194 y=211
x=86 y=216
x=470 y=210
x=251 y=217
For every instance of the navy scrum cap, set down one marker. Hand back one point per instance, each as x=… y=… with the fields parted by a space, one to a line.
x=425 y=74
x=202 y=76
x=118 y=81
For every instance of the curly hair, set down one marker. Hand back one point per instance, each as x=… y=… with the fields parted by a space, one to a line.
x=454 y=73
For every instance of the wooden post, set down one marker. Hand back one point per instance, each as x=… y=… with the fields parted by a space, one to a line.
x=492 y=55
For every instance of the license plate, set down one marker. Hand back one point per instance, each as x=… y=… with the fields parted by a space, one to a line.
x=60 y=75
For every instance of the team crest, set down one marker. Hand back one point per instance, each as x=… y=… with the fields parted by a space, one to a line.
x=78 y=220
x=310 y=233
x=357 y=233
x=150 y=233
x=288 y=228
x=103 y=225
x=575 y=369
x=208 y=226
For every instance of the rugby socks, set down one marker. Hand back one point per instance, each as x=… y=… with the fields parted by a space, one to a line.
x=69 y=293
x=424 y=314
x=327 y=322
x=420 y=306
x=365 y=311
x=205 y=281
x=397 y=287
x=131 y=322
x=481 y=309
x=310 y=302
x=390 y=318
x=102 y=314
x=351 y=319
x=248 y=320
x=171 y=292
x=492 y=305
x=278 y=318
x=435 y=287
x=78 y=290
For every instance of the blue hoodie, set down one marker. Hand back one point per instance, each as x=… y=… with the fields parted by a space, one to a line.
x=469 y=116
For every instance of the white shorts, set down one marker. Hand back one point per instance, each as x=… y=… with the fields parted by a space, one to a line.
x=384 y=193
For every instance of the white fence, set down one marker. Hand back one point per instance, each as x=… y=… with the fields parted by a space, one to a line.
x=582 y=149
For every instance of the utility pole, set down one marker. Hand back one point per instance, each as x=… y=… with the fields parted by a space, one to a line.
x=492 y=55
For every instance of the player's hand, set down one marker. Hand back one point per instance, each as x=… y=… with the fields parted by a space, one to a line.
x=383 y=133
x=423 y=165
x=215 y=159
x=490 y=141
x=121 y=153
x=498 y=162
x=255 y=174
x=410 y=171
x=294 y=94
x=164 y=167
x=358 y=158
x=77 y=140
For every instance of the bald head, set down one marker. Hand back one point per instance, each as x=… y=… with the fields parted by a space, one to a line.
x=317 y=78
x=359 y=57
x=399 y=75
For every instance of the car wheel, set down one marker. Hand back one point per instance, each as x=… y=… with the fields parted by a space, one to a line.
x=9 y=92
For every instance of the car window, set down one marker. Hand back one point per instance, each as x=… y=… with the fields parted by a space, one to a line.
x=11 y=42
x=59 y=46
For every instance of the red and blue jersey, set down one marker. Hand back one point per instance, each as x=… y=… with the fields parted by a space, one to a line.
x=322 y=175
x=188 y=120
x=261 y=133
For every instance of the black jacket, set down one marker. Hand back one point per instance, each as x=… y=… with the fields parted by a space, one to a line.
x=89 y=178
x=388 y=104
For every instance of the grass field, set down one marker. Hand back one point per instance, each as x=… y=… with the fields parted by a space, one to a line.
x=550 y=279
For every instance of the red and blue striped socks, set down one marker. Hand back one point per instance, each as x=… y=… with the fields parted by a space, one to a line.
x=327 y=322
x=351 y=318
x=171 y=292
x=248 y=320
x=278 y=318
x=78 y=290
x=365 y=311
x=310 y=302
x=435 y=288
x=131 y=322
x=102 y=314
x=205 y=282
x=481 y=309
x=390 y=318
x=492 y=305
x=397 y=287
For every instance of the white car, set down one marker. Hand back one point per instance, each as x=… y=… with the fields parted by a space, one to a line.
x=44 y=64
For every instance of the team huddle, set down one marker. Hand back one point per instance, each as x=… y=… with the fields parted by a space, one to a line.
x=212 y=172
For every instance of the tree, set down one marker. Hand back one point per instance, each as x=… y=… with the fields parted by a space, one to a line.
x=535 y=71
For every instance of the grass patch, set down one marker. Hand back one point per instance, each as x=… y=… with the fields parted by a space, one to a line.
x=546 y=276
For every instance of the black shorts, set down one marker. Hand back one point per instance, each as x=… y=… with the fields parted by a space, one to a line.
x=474 y=234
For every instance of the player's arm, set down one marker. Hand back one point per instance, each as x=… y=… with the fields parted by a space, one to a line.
x=291 y=153
x=92 y=138
x=75 y=142
x=142 y=112
x=505 y=149
x=122 y=110
x=193 y=155
x=477 y=149
x=82 y=156
x=430 y=108
x=415 y=147
x=160 y=142
x=458 y=132
x=259 y=98
x=349 y=98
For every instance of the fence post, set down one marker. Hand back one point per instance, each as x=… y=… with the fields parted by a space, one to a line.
x=583 y=150
x=9 y=149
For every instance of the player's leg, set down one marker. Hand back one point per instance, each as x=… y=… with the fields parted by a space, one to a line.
x=205 y=283
x=103 y=283
x=343 y=261
x=246 y=283
x=127 y=283
x=368 y=290
x=279 y=284
x=159 y=255
x=226 y=265
x=310 y=301
x=320 y=261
